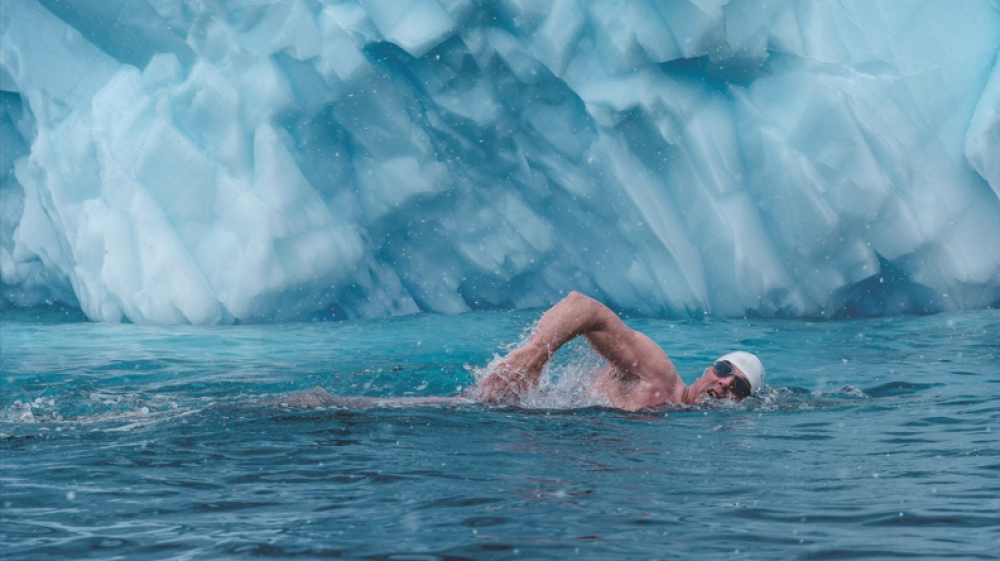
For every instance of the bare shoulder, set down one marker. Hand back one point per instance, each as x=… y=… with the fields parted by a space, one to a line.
x=642 y=374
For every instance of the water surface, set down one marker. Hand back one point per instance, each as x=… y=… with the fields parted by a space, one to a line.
x=876 y=439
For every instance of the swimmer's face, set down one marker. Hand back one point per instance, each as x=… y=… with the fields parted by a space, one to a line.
x=726 y=381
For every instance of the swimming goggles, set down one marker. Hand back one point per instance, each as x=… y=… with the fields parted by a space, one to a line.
x=740 y=387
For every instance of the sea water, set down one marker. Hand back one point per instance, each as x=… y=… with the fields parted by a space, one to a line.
x=876 y=438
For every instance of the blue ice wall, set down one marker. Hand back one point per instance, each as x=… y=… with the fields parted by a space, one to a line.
x=212 y=161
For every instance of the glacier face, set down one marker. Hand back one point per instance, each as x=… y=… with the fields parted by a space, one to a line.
x=213 y=161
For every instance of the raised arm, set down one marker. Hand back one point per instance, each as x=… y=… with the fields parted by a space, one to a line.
x=628 y=351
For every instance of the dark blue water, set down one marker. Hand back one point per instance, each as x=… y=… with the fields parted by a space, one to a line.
x=877 y=439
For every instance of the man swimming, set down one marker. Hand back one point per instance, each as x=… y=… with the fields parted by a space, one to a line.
x=639 y=374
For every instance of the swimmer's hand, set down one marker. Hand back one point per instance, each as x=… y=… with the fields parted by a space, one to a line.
x=511 y=379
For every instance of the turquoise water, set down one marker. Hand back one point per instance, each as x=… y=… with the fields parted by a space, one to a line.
x=877 y=439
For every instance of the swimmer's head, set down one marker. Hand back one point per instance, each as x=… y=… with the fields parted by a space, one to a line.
x=735 y=375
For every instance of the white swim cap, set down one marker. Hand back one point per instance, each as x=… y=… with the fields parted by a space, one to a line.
x=750 y=365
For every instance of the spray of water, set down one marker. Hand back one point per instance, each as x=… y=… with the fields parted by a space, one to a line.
x=567 y=381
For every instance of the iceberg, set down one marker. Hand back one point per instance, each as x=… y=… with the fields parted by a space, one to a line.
x=214 y=162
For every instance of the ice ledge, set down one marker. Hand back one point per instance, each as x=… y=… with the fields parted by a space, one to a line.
x=164 y=163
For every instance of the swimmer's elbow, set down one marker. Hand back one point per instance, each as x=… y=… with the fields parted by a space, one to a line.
x=581 y=301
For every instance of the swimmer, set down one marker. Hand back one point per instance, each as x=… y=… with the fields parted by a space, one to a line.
x=639 y=373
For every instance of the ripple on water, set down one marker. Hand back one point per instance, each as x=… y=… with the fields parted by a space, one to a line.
x=147 y=442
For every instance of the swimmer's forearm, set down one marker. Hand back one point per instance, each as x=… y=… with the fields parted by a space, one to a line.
x=573 y=316
x=512 y=377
